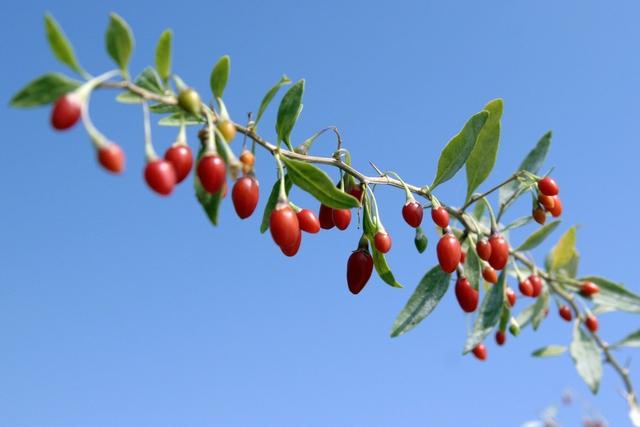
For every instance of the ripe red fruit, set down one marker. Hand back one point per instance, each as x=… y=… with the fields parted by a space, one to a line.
x=592 y=323
x=66 y=112
x=308 y=221
x=111 y=157
x=565 y=313
x=342 y=218
x=536 y=284
x=499 y=252
x=326 y=217
x=480 y=352
x=181 y=158
x=483 y=248
x=359 y=269
x=539 y=215
x=245 y=195
x=557 y=207
x=412 y=213
x=449 y=253
x=501 y=337
x=211 y=172
x=489 y=274
x=160 y=176
x=293 y=249
x=357 y=191
x=511 y=297
x=382 y=242
x=548 y=186
x=526 y=288
x=440 y=216
x=284 y=226
x=547 y=201
x=588 y=289
x=463 y=257
x=466 y=295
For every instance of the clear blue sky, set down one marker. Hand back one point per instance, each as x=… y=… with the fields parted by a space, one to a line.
x=119 y=308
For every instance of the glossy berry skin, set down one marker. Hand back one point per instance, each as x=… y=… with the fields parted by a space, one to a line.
x=483 y=249
x=111 y=157
x=284 y=226
x=342 y=218
x=382 y=242
x=440 y=217
x=228 y=130
x=245 y=195
x=557 y=207
x=326 y=217
x=181 y=158
x=536 y=285
x=501 y=337
x=293 y=249
x=489 y=274
x=449 y=253
x=466 y=295
x=565 y=313
x=357 y=191
x=308 y=221
x=539 y=215
x=511 y=297
x=160 y=176
x=591 y=323
x=211 y=172
x=248 y=159
x=463 y=257
x=548 y=186
x=480 y=352
x=526 y=288
x=588 y=289
x=359 y=269
x=412 y=213
x=499 y=252
x=547 y=201
x=189 y=100
x=66 y=112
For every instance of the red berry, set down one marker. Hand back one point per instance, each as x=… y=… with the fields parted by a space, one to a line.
x=412 y=213
x=539 y=215
x=592 y=323
x=111 y=157
x=501 y=337
x=449 y=253
x=382 y=242
x=511 y=297
x=547 y=201
x=359 y=269
x=326 y=217
x=245 y=195
x=463 y=257
x=489 y=274
x=466 y=295
x=483 y=249
x=160 y=176
x=565 y=313
x=588 y=289
x=526 y=288
x=66 y=112
x=212 y=172
x=293 y=249
x=548 y=186
x=342 y=218
x=536 y=285
x=557 y=207
x=284 y=226
x=499 y=252
x=440 y=216
x=480 y=352
x=308 y=221
x=357 y=191
x=180 y=157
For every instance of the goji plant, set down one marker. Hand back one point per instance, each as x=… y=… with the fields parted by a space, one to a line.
x=473 y=242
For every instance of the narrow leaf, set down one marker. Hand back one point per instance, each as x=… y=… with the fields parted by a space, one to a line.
x=284 y=80
x=43 y=90
x=382 y=267
x=119 y=41
x=150 y=80
x=60 y=45
x=420 y=240
x=272 y=201
x=517 y=223
x=614 y=295
x=563 y=251
x=549 y=351
x=220 y=76
x=540 y=309
x=289 y=110
x=473 y=268
x=631 y=340
x=586 y=357
x=178 y=118
x=163 y=54
x=538 y=236
x=489 y=314
x=483 y=156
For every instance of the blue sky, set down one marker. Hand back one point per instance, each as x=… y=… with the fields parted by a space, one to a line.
x=119 y=308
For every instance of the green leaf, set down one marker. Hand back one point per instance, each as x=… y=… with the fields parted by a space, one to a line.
x=220 y=76
x=150 y=80
x=43 y=90
x=549 y=351
x=571 y=269
x=163 y=54
x=164 y=108
x=524 y=317
x=538 y=236
x=289 y=110
x=284 y=80
x=178 y=118
x=540 y=309
x=382 y=267
x=273 y=200
x=489 y=314
x=631 y=340
x=119 y=41
x=564 y=250
x=210 y=202
x=478 y=210
x=483 y=156
x=473 y=268
x=60 y=45
x=420 y=240
x=317 y=183
x=458 y=149
x=423 y=301
x=586 y=356
x=517 y=223
x=128 y=97
x=532 y=163
x=614 y=295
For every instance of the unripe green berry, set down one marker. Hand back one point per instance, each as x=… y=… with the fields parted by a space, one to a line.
x=189 y=100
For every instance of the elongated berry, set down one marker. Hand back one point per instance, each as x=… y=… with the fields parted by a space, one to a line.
x=308 y=221
x=511 y=297
x=592 y=323
x=293 y=249
x=284 y=225
x=326 y=217
x=480 y=352
x=342 y=218
x=499 y=252
x=412 y=213
x=589 y=289
x=557 y=207
x=565 y=313
x=160 y=176
x=111 y=157
x=66 y=112
x=547 y=201
x=526 y=288
x=536 y=285
x=227 y=129
x=539 y=215
x=489 y=274
x=466 y=295
x=181 y=158
x=440 y=216
x=359 y=269
x=449 y=253
x=548 y=186
x=356 y=191
x=382 y=242
x=211 y=172
x=483 y=249
x=245 y=195
x=500 y=337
